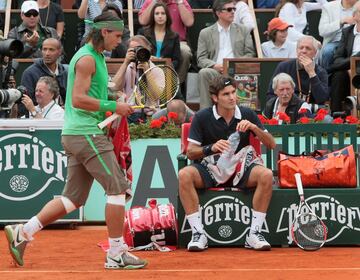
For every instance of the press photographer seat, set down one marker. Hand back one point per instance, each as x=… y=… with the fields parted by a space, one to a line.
x=226 y=215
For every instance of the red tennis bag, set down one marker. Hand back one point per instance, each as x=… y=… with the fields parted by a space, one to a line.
x=155 y=225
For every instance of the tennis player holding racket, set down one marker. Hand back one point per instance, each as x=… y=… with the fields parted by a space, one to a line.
x=90 y=154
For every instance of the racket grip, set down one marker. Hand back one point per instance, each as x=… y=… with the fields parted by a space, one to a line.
x=299 y=184
x=108 y=120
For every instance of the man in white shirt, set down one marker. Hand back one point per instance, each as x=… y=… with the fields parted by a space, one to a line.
x=278 y=46
x=243 y=15
x=224 y=39
x=46 y=92
x=335 y=16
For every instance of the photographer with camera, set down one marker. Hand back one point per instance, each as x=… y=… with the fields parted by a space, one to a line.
x=137 y=61
x=46 y=92
x=30 y=31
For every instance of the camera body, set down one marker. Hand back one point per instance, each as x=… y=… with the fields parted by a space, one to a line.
x=8 y=97
x=142 y=54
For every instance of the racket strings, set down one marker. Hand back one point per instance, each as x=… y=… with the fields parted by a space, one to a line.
x=159 y=86
x=309 y=232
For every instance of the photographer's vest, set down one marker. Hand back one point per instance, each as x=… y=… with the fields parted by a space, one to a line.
x=78 y=121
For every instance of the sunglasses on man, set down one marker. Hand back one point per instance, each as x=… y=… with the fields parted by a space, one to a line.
x=229 y=10
x=31 y=13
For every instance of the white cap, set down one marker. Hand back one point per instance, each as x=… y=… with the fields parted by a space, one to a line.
x=29 y=5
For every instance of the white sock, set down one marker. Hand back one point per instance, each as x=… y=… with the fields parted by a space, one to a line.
x=116 y=245
x=195 y=222
x=32 y=227
x=257 y=221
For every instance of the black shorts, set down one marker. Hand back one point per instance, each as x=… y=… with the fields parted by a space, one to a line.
x=209 y=181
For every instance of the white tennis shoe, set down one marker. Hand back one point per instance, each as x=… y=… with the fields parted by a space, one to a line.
x=256 y=241
x=198 y=242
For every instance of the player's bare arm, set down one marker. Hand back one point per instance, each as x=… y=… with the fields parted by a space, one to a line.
x=266 y=138
x=195 y=151
x=85 y=68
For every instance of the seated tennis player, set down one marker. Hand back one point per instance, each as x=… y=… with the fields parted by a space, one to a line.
x=209 y=133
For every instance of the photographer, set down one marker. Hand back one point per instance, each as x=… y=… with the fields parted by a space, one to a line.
x=136 y=62
x=30 y=31
x=47 y=90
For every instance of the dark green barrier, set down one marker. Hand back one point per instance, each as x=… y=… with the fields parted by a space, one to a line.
x=33 y=168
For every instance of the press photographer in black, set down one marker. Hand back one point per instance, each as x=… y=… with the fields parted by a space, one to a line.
x=137 y=61
x=9 y=49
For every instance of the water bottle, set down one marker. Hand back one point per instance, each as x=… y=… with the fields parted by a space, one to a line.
x=225 y=156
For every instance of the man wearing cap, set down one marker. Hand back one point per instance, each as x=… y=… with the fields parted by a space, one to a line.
x=30 y=31
x=278 y=46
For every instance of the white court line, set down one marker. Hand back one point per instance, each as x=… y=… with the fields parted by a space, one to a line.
x=188 y=270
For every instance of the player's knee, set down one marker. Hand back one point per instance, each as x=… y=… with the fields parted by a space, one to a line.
x=68 y=204
x=184 y=178
x=266 y=178
x=118 y=199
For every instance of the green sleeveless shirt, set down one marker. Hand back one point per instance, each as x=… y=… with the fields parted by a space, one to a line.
x=78 y=121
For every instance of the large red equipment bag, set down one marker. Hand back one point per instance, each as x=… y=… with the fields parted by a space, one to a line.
x=319 y=169
x=156 y=224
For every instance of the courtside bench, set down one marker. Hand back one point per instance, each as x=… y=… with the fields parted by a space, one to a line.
x=226 y=215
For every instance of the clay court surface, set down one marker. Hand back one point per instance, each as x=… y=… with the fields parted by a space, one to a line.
x=73 y=254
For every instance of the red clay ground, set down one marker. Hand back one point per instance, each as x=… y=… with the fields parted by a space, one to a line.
x=73 y=254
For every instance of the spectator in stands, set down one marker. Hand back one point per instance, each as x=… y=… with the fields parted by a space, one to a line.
x=311 y=80
x=294 y=13
x=51 y=15
x=349 y=46
x=278 y=46
x=46 y=92
x=165 y=42
x=285 y=100
x=182 y=17
x=335 y=16
x=184 y=113
x=209 y=135
x=89 y=9
x=243 y=15
x=48 y=65
x=235 y=41
x=30 y=31
x=265 y=4
x=128 y=73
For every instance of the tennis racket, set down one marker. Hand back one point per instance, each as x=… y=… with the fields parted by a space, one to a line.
x=154 y=89
x=308 y=231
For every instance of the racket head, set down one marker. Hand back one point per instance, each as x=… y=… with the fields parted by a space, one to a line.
x=156 y=87
x=308 y=231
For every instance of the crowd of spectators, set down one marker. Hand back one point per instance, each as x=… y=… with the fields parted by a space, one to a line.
x=320 y=71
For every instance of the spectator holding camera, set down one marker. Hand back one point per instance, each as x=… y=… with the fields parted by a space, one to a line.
x=131 y=69
x=30 y=31
x=285 y=100
x=165 y=43
x=46 y=92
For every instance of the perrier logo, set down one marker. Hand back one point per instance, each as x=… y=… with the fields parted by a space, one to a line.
x=28 y=166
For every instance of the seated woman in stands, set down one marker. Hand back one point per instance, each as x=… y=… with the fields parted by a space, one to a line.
x=165 y=42
x=278 y=46
x=285 y=100
x=294 y=13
